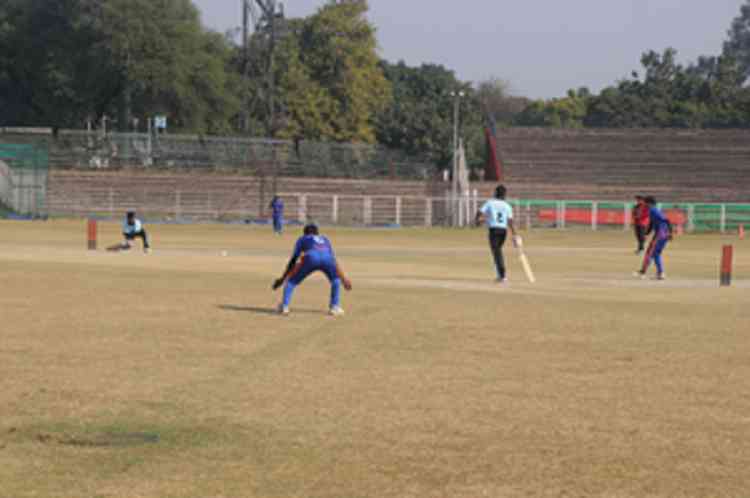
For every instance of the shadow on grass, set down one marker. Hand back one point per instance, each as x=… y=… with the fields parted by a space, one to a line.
x=265 y=311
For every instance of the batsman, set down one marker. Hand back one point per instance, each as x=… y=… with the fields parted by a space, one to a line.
x=497 y=215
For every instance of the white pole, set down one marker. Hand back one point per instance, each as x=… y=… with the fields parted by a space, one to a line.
x=148 y=142
x=691 y=218
x=561 y=214
x=454 y=182
x=627 y=221
x=335 y=210
x=398 y=211
x=462 y=210
x=723 y=221
x=367 y=207
x=528 y=215
x=457 y=96
x=428 y=212
x=594 y=215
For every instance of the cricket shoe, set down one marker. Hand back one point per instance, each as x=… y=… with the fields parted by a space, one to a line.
x=639 y=274
x=283 y=310
x=660 y=276
x=336 y=311
x=147 y=250
x=501 y=280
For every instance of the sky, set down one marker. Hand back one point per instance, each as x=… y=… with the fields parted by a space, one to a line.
x=541 y=48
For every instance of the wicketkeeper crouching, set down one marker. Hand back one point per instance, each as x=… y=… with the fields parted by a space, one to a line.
x=132 y=228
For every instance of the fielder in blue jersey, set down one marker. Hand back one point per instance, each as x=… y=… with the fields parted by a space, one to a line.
x=277 y=208
x=662 y=229
x=312 y=252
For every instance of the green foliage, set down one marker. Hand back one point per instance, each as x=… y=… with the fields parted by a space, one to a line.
x=54 y=69
x=169 y=64
x=497 y=101
x=306 y=105
x=419 y=119
x=738 y=45
x=568 y=112
x=706 y=95
x=321 y=80
x=65 y=61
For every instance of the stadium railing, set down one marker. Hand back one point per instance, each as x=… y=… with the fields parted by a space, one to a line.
x=177 y=205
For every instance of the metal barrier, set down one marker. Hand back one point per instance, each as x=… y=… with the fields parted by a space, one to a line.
x=163 y=203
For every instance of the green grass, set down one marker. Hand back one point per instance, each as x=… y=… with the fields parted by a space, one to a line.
x=168 y=375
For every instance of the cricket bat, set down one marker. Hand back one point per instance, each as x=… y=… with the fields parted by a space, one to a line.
x=524 y=260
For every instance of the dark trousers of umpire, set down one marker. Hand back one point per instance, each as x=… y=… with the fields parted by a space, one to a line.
x=497 y=239
x=138 y=235
x=640 y=236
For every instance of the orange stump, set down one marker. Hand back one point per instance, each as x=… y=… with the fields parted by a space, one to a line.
x=741 y=232
x=726 y=266
x=92 y=235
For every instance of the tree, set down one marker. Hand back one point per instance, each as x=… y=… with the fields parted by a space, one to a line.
x=738 y=44
x=567 y=112
x=169 y=64
x=419 y=119
x=55 y=69
x=338 y=49
x=498 y=102
x=329 y=84
x=66 y=61
x=306 y=108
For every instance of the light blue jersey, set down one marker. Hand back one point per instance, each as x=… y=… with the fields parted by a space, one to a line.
x=136 y=227
x=497 y=213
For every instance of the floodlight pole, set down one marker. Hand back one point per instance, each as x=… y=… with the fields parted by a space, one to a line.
x=454 y=183
x=245 y=65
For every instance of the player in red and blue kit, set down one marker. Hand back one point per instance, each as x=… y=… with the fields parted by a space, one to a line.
x=312 y=252
x=662 y=235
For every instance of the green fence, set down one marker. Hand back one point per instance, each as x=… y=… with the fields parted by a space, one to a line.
x=596 y=215
x=23 y=180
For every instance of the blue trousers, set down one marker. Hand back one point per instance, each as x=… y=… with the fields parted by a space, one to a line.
x=311 y=263
x=278 y=224
x=661 y=243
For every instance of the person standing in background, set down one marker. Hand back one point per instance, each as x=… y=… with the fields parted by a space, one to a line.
x=277 y=208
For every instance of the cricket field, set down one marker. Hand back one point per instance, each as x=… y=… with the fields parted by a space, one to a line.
x=168 y=375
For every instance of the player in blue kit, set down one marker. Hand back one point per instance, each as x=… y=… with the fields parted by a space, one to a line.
x=277 y=208
x=662 y=229
x=312 y=252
